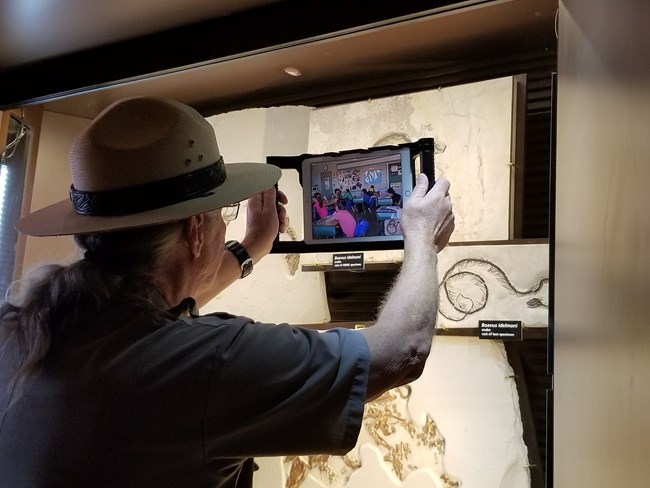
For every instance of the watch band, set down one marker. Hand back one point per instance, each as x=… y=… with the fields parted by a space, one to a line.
x=245 y=261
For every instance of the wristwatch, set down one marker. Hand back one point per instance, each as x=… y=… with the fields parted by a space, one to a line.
x=245 y=261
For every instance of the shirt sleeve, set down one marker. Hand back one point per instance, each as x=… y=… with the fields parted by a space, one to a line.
x=280 y=390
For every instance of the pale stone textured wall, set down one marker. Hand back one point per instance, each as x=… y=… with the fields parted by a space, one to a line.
x=499 y=282
x=463 y=415
x=472 y=123
x=276 y=291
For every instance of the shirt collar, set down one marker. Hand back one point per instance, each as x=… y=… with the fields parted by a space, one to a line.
x=187 y=306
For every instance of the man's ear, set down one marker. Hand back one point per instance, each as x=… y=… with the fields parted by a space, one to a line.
x=194 y=233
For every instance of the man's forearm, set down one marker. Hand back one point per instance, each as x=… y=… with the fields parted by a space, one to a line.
x=400 y=340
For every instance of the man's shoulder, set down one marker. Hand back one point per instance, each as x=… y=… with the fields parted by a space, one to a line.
x=215 y=320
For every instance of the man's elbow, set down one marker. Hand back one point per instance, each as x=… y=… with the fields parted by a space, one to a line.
x=416 y=360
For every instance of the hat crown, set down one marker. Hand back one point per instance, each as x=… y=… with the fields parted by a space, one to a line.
x=141 y=140
x=146 y=161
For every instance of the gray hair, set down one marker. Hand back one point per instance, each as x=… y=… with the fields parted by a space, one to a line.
x=54 y=299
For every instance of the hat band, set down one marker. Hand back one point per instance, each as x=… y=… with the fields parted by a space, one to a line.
x=149 y=196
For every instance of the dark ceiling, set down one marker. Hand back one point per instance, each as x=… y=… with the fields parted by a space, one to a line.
x=77 y=56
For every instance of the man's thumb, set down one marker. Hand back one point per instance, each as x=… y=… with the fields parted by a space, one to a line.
x=421 y=186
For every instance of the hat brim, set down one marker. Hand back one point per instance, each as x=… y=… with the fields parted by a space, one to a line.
x=243 y=181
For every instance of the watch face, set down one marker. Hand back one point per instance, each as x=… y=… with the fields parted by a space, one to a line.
x=246 y=267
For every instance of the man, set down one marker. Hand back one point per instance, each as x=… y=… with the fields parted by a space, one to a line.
x=110 y=377
x=347 y=195
x=369 y=199
x=396 y=197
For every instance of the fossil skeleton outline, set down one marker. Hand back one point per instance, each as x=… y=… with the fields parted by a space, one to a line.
x=467 y=291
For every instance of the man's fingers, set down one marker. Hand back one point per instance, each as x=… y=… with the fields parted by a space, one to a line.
x=421 y=186
x=282 y=219
x=441 y=187
x=282 y=200
x=443 y=238
x=269 y=197
x=264 y=200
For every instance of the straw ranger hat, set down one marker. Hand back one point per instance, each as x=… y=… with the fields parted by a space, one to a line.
x=146 y=161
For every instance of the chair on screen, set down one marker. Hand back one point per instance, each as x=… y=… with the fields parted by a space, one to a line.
x=361 y=228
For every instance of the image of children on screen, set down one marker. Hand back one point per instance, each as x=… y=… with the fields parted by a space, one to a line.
x=360 y=198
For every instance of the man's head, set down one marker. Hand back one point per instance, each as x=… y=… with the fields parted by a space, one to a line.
x=145 y=161
x=391 y=191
